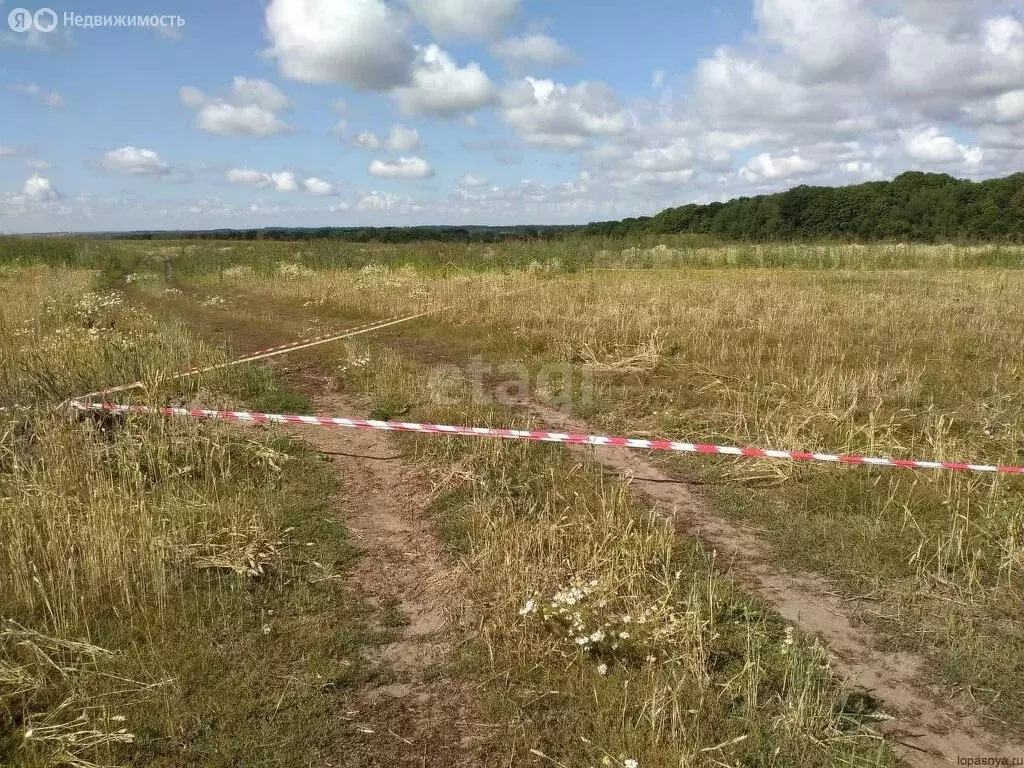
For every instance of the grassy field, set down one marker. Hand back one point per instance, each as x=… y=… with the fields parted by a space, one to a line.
x=590 y=625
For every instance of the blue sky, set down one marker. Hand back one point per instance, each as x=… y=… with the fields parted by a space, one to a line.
x=394 y=112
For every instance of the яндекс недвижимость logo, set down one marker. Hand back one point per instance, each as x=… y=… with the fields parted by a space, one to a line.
x=46 y=20
x=24 y=20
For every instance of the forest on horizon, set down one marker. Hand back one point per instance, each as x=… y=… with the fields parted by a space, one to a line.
x=915 y=207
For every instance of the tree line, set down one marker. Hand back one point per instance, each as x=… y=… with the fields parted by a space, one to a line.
x=443 y=234
x=915 y=206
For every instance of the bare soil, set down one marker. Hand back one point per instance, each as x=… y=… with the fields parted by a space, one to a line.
x=412 y=712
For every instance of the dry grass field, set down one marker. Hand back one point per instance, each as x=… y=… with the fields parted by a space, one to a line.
x=185 y=593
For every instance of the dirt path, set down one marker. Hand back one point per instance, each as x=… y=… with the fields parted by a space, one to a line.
x=928 y=730
x=411 y=714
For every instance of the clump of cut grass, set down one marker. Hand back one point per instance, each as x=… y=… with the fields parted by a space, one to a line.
x=619 y=358
x=83 y=725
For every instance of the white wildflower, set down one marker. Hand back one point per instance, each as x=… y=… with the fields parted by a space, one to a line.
x=787 y=641
x=292 y=271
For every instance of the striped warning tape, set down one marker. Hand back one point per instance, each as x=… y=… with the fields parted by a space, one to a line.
x=547 y=437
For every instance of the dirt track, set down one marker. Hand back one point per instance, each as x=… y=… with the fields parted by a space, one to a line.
x=408 y=715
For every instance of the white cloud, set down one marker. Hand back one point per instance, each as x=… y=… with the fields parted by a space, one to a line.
x=931 y=147
x=378 y=201
x=368 y=140
x=563 y=117
x=1004 y=47
x=661 y=178
x=665 y=161
x=1010 y=106
x=282 y=181
x=247 y=90
x=923 y=62
x=400 y=139
x=826 y=38
x=228 y=120
x=47 y=98
x=1001 y=137
x=39 y=189
x=658 y=79
x=469 y=181
x=440 y=87
x=467 y=19
x=526 y=50
x=39 y=164
x=402 y=168
x=735 y=90
x=768 y=167
x=249 y=110
x=357 y=42
x=318 y=187
x=814 y=76
x=7 y=151
x=862 y=168
x=141 y=162
x=248 y=176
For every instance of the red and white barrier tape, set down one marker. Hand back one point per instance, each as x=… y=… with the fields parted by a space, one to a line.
x=547 y=437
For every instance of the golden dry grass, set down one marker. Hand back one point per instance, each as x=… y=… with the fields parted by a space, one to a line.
x=917 y=363
x=897 y=352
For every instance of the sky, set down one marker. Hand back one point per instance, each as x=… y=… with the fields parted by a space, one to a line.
x=399 y=112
